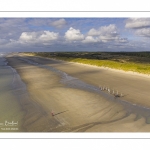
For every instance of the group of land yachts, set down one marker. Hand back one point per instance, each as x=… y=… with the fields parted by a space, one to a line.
x=111 y=91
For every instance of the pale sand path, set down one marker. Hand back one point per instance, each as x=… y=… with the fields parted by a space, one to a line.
x=81 y=110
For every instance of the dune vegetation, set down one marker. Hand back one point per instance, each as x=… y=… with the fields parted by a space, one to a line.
x=127 y=61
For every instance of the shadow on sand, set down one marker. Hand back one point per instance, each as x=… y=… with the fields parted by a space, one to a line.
x=60 y=112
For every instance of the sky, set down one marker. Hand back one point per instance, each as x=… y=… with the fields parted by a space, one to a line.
x=74 y=34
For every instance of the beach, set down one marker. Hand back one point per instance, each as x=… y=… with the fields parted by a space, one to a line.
x=71 y=92
x=10 y=108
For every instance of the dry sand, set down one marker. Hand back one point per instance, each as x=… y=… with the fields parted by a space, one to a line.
x=76 y=108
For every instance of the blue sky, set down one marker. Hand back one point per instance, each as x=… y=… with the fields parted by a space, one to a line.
x=74 y=34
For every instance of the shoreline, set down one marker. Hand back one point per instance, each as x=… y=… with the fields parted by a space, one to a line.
x=11 y=109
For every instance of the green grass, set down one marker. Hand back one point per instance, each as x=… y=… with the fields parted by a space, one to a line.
x=127 y=66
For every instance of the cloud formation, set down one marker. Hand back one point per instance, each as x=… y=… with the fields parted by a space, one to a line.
x=90 y=39
x=140 y=26
x=143 y=32
x=123 y=40
x=59 y=23
x=73 y=35
x=135 y=23
x=50 y=34
x=38 y=37
x=104 y=30
x=105 y=33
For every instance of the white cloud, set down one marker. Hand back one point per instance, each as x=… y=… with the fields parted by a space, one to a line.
x=48 y=36
x=93 y=32
x=123 y=40
x=73 y=35
x=134 y=23
x=27 y=36
x=90 y=39
x=104 y=30
x=38 y=37
x=59 y=23
x=141 y=26
x=143 y=32
x=107 y=38
x=105 y=33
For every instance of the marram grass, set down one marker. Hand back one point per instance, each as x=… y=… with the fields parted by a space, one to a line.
x=127 y=66
x=143 y=68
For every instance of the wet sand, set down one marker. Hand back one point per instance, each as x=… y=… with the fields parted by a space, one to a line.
x=72 y=92
x=10 y=108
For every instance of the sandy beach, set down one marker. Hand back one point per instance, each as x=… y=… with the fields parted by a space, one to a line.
x=10 y=108
x=71 y=92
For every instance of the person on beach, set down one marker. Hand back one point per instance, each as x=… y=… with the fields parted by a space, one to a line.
x=108 y=90
x=52 y=113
